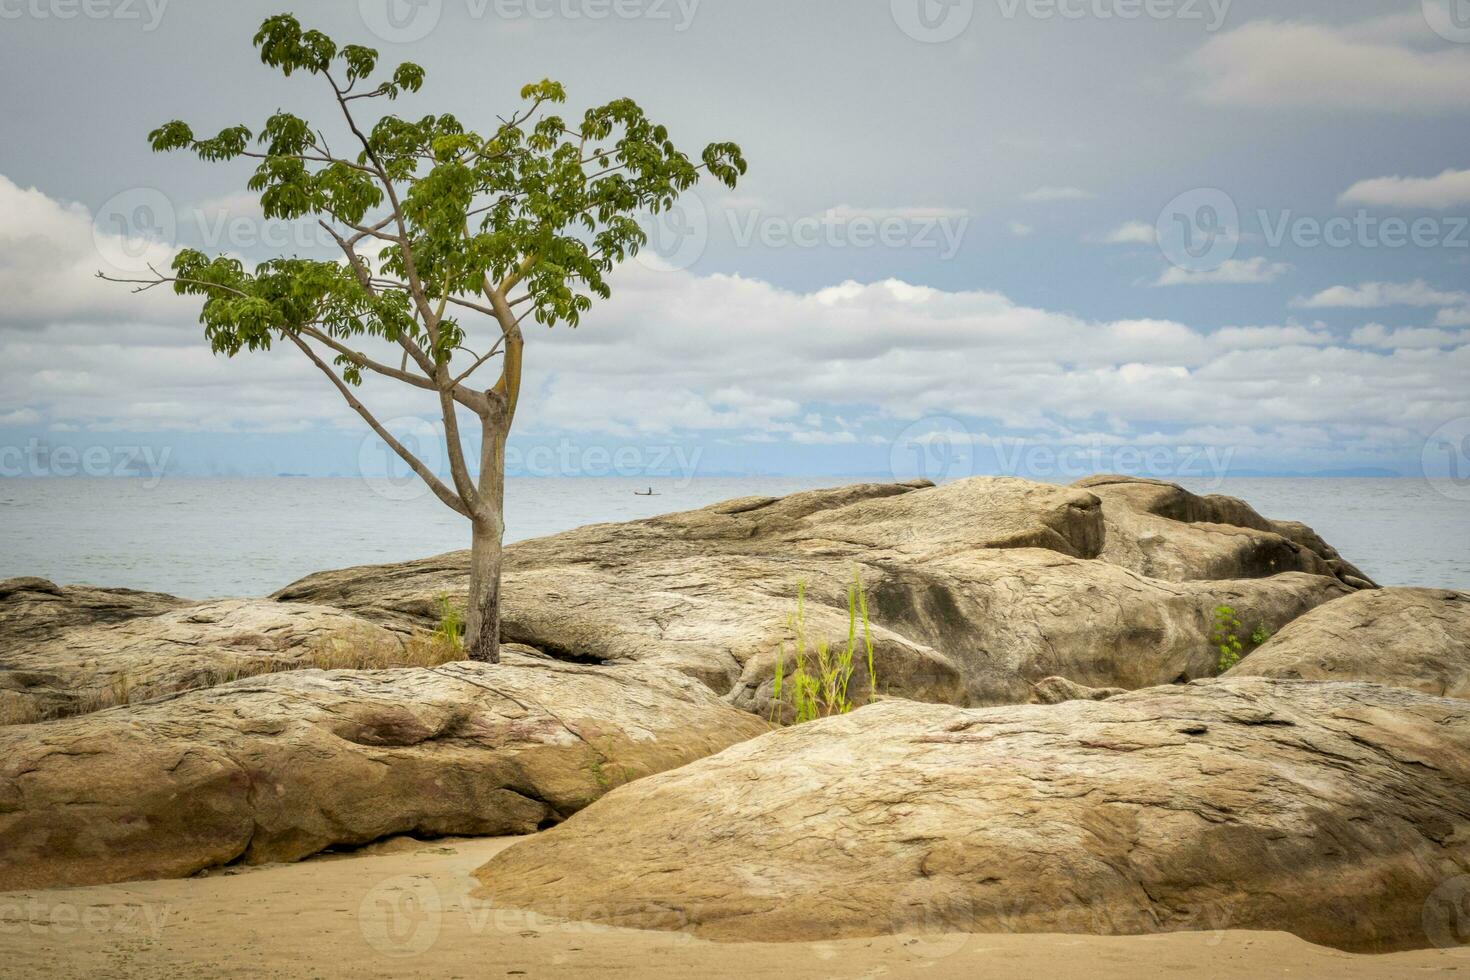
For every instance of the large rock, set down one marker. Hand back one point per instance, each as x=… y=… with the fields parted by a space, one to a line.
x=1059 y=690
x=34 y=608
x=977 y=589
x=1332 y=811
x=82 y=661
x=1163 y=531
x=282 y=766
x=1414 y=638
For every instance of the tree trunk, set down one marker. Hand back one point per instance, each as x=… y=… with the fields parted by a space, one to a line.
x=482 y=618
x=482 y=613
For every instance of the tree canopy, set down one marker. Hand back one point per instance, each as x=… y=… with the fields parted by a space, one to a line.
x=450 y=240
x=526 y=220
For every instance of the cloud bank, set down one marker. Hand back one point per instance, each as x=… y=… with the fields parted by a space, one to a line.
x=742 y=360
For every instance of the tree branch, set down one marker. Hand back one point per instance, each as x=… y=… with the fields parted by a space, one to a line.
x=362 y=360
x=365 y=279
x=458 y=468
x=480 y=361
x=424 y=473
x=417 y=293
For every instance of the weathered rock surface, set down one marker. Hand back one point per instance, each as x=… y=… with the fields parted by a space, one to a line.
x=88 y=655
x=1414 y=638
x=34 y=608
x=1163 y=531
x=1332 y=811
x=977 y=589
x=282 y=766
x=1059 y=690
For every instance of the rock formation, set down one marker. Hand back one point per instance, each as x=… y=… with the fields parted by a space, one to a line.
x=33 y=608
x=977 y=589
x=278 y=767
x=1332 y=811
x=1163 y=531
x=77 y=648
x=1059 y=690
x=631 y=647
x=1414 y=638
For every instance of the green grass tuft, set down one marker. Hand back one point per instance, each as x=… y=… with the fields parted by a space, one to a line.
x=817 y=686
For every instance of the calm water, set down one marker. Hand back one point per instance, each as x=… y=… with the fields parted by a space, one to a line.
x=220 y=537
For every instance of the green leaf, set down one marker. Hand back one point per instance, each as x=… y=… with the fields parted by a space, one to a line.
x=546 y=204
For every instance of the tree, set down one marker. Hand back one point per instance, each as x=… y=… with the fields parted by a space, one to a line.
x=472 y=234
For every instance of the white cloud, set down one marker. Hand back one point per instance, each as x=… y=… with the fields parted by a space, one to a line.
x=1020 y=229
x=817 y=438
x=50 y=255
x=1132 y=233
x=746 y=360
x=1371 y=295
x=1450 y=189
x=1290 y=335
x=239 y=205
x=1044 y=195
x=1453 y=318
x=21 y=416
x=1377 y=335
x=1231 y=272
x=1370 y=66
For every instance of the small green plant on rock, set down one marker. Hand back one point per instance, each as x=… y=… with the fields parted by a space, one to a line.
x=818 y=683
x=607 y=772
x=1224 y=639
x=1224 y=636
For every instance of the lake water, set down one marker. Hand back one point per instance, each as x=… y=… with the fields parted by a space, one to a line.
x=241 y=537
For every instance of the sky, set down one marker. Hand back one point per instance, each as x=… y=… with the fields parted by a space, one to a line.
x=1187 y=238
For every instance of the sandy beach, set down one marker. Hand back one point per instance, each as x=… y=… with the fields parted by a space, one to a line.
x=404 y=908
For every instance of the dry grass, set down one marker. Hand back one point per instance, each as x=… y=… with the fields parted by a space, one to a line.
x=18 y=710
x=348 y=653
x=362 y=649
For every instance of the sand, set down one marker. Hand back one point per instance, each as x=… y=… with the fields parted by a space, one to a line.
x=403 y=908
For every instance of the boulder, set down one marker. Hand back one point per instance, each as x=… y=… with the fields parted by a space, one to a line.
x=279 y=767
x=1331 y=811
x=82 y=661
x=1163 y=531
x=34 y=608
x=977 y=589
x=1413 y=638
x=1059 y=690
x=918 y=519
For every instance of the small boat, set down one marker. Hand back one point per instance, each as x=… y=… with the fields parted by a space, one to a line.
x=645 y=493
